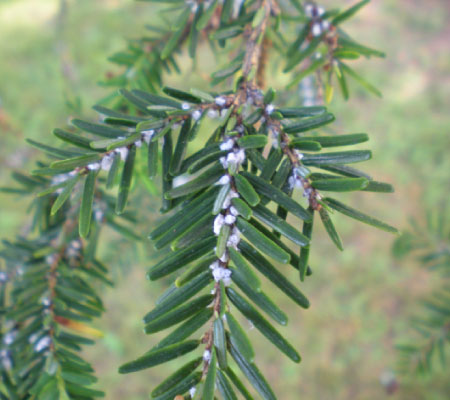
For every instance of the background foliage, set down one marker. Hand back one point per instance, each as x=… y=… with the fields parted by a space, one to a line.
x=359 y=319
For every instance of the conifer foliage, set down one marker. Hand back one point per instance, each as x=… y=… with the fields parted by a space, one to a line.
x=236 y=209
x=425 y=350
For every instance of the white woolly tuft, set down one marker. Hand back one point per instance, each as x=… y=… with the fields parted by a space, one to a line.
x=316 y=29
x=197 y=114
x=218 y=223
x=220 y=101
x=147 y=135
x=107 y=161
x=207 y=356
x=227 y=145
x=42 y=344
x=230 y=219
x=234 y=211
x=93 y=166
x=224 y=180
x=224 y=257
x=220 y=273
x=123 y=151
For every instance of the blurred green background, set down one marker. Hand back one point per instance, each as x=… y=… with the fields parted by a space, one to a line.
x=51 y=58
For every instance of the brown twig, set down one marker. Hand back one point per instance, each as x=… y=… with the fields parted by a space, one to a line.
x=262 y=63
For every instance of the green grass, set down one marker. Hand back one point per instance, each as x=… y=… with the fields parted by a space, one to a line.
x=361 y=298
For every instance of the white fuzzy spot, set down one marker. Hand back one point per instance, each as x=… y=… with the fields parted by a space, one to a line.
x=316 y=29
x=207 y=356
x=230 y=219
x=227 y=202
x=107 y=161
x=197 y=114
x=147 y=135
x=218 y=223
x=325 y=25
x=224 y=257
x=220 y=273
x=240 y=156
x=223 y=161
x=234 y=211
x=192 y=391
x=235 y=159
x=93 y=166
x=227 y=145
x=50 y=259
x=320 y=11
x=9 y=338
x=98 y=215
x=234 y=239
x=299 y=155
x=295 y=182
x=123 y=151
x=224 y=180
x=185 y=106
x=46 y=302
x=269 y=109
x=214 y=265
x=60 y=178
x=42 y=344
x=76 y=244
x=220 y=101
x=231 y=159
x=138 y=143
